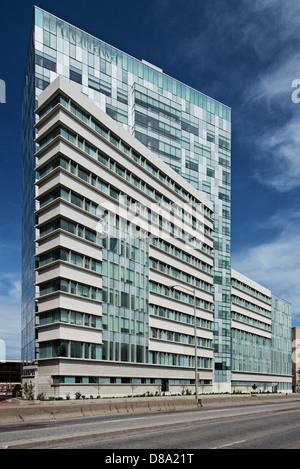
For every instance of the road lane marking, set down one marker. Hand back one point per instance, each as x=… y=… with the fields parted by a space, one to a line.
x=229 y=444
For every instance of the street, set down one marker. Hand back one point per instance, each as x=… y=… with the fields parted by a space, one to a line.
x=258 y=426
x=278 y=430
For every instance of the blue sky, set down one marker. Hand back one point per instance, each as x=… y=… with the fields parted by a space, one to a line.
x=243 y=53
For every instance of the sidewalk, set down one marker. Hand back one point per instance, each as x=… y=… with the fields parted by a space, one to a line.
x=8 y=403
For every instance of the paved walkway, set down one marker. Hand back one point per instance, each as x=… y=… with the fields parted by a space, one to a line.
x=7 y=403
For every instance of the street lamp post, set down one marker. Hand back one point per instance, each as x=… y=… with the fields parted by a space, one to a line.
x=192 y=290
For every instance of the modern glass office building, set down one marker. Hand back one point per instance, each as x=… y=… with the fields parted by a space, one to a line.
x=260 y=337
x=186 y=129
x=189 y=131
x=124 y=264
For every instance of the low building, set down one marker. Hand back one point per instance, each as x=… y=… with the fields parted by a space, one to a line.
x=10 y=376
x=261 y=337
x=295 y=356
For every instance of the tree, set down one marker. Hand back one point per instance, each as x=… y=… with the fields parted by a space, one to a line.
x=28 y=389
x=298 y=381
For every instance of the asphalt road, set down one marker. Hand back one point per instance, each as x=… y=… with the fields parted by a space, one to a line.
x=278 y=430
x=257 y=426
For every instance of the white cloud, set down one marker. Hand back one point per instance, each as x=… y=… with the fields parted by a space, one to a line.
x=10 y=284
x=267 y=14
x=276 y=265
x=15 y=292
x=10 y=314
x=276 y=134
x=10 y=330
x=279 y=148
x=275 y=82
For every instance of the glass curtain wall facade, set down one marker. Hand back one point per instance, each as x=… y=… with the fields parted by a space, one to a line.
x=111 y=297
x=261 y=337
x=186 y=129
x=29 y=96
x=281 y=337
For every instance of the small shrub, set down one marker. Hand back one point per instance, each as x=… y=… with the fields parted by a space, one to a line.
x=28 y=390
